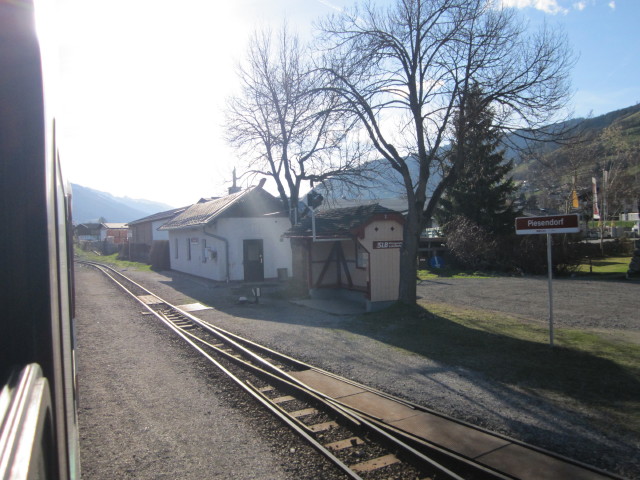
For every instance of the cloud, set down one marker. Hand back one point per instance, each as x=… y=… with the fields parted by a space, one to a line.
x=547 y=6
x=580 y=5
x=612 y=4
x=331 y=5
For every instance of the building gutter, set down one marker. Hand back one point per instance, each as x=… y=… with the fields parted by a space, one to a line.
x=319 y=239
x=226 y=248
x=336 y=239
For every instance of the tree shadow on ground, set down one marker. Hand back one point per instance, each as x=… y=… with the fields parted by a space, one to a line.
x=526 y=376
x=530 y=365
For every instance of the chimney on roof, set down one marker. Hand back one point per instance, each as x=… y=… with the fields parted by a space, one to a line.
x=234 y=188
x=261 y=182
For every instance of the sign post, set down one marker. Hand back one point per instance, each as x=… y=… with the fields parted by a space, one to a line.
x=548 y=225
x=550 y=282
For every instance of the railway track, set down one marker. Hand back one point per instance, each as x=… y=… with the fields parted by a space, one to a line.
x=360 y=443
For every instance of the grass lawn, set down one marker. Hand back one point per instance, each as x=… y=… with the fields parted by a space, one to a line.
x=610 y=267
x=110 y=260
x=451 y=272
x=584 y=370
x=603 y=268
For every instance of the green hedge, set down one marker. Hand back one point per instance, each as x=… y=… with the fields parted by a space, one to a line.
x=613 y=223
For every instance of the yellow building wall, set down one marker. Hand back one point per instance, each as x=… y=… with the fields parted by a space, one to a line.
x=384 y=264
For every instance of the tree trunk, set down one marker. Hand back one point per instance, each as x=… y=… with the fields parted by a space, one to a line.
x=408 y=259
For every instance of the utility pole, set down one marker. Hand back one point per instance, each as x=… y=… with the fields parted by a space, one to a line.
x=605 y=180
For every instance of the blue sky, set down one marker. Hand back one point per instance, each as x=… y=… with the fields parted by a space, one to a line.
x=143 y=83
x=605 y=35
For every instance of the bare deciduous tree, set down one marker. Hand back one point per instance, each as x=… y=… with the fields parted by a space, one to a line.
x=283 y=122
x=607 y=155
x=402 y=71
x=621 y=161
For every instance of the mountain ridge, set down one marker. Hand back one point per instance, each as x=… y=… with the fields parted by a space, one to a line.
x=89 y=205
x=382 y=182
x=608 y=142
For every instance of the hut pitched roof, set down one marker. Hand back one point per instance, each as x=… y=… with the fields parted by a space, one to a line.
x=343 y=222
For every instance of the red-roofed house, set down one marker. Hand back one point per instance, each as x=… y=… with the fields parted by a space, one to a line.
x=115 y=233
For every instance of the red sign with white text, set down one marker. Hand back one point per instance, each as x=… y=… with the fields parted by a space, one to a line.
x=551 y=224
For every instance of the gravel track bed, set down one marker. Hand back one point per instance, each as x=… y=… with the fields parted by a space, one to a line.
x=150 y=408
x=330 y=342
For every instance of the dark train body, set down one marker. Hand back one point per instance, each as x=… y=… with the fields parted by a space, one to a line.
x=38 y=420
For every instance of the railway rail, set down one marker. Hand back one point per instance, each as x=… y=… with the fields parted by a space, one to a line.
x=358 y=440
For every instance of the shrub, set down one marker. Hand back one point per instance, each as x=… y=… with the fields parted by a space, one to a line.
x=472 y=247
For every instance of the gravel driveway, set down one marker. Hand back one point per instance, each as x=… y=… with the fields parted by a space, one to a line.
x=328 y=342
x=606 y=305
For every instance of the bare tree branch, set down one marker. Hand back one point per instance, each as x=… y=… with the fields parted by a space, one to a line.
x=413 y=64
x=283 y=123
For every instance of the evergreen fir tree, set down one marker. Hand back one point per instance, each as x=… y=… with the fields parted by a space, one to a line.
x=482 y=191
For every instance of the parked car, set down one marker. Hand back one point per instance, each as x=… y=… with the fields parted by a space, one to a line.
x=594 y=233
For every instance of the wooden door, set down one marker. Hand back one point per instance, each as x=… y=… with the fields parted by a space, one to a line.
x=253 y=259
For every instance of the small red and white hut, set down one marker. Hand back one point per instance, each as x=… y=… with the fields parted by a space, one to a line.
x=353 y=251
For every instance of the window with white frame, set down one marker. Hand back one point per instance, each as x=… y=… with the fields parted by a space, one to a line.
x=362 y=256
